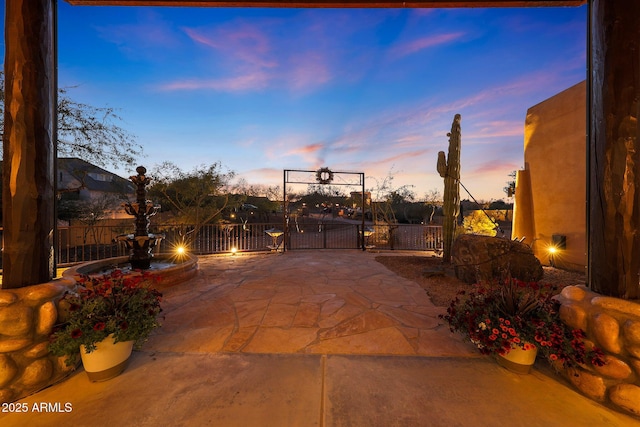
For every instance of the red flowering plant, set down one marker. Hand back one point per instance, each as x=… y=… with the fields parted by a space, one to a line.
x=503 y=315
x=126 y=306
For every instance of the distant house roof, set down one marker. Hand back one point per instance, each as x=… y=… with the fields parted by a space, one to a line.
x=93 y=177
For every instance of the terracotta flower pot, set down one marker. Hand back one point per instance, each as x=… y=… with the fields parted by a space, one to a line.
x=108 y=360
x=518 y=360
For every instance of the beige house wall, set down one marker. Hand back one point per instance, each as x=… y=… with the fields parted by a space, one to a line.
x=551 y=190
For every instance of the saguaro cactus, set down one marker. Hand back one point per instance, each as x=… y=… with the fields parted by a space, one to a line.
x=449 y=169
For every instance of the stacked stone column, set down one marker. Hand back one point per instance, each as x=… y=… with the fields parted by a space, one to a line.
x=612 y=324
x=27 y=318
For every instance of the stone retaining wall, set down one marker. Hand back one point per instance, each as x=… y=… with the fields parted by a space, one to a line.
x=27 y=317
x=612 y=324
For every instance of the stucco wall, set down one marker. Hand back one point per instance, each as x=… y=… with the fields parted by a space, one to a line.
x=555 y=168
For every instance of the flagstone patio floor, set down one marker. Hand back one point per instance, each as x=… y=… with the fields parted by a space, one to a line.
x=308 y=338
x=337 y=303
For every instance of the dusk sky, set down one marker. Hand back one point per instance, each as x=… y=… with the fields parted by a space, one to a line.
x=364 y=90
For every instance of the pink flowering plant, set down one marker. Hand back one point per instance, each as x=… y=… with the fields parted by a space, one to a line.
x=126 y=306
x=503 y=315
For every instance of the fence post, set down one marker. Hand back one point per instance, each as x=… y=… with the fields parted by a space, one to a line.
x=324 y=235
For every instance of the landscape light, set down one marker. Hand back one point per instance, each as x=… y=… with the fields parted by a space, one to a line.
x=553 y=252
x=234 y=250
x=179 y=250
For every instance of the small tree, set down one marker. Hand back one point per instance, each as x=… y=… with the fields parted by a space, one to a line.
x=91 y=212
x=433 y=201
x=272 y=192
x=382 y=200
x=324 y=195
x=387 y=200
x=196 y=197
x=510 y=189
x=479 y=222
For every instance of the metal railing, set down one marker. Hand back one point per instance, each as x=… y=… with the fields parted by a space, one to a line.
x=89 y=243
x=407 y=237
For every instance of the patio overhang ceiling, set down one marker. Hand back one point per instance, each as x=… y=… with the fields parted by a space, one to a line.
x=333 y=3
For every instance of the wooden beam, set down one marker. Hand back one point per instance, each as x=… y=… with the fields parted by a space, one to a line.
x=614 y=240
x=28 y=184
x=333 y=3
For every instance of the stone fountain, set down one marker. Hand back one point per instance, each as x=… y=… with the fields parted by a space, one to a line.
x=141 y=243
x=25 y=365
x=167 y=269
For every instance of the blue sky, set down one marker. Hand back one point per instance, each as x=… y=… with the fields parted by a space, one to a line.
x=365 y=90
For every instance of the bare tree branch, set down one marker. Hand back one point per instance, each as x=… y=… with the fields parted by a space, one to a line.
x=89 y=133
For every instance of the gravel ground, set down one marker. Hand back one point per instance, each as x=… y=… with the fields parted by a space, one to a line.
x=440 y=283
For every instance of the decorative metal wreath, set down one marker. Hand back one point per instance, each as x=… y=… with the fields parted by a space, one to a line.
x=324 y=175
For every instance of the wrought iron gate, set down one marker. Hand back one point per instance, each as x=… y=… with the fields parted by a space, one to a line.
x=332 y=233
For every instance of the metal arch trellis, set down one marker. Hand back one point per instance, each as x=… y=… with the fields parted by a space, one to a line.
x=323 y=176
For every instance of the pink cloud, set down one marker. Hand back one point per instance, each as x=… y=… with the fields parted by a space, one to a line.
x=246 y=44
x=293 y=149
x=305 y=150
x=523 y=85
x=497 y=129
x=263 y=174
x=309 y=69
x=408 y=141
x=400 y=157
x=422 y=43
x=248 y=49
x=313 y=56
x=254 y=81
x=494 y=167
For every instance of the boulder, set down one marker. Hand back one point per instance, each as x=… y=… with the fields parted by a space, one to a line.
x=483 y=258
